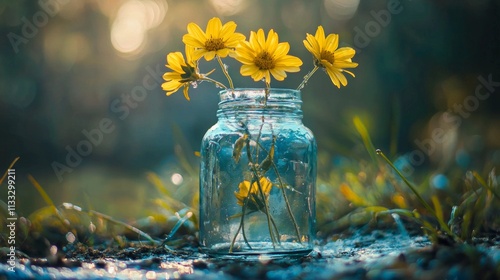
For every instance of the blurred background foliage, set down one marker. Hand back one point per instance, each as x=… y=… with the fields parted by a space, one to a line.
x=68 y=66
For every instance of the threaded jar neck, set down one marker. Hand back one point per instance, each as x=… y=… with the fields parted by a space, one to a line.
x=279 y=103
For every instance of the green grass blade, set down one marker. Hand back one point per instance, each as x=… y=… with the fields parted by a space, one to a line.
x=7 y=171
x=363 y=132
x=42 y=192
x=395 y=125
x=485 y=185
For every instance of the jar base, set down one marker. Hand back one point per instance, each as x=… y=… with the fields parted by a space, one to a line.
x=258 y=251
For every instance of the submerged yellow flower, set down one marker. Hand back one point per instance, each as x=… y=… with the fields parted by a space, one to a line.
x=183 y=74
x=327 y=55
x=253 y=193
x=263 y=57
x=218 y=39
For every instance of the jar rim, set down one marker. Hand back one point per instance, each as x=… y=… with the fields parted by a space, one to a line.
x=259 y=93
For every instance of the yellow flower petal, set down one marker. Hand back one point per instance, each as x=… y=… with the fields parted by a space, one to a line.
x=289 y=61
x=196 y=36
x=259 y=75
x=171 y=87
x=213 y=27
x=344 y=64
x=223 y=52
x=280 y=50
x=341 y=78
x=192 y=41
x=312 y=45
x=174 y=61
x=227 y=30
x=260 y=39
x=171 y=76
x=344 y=53
x=253 y=192
x=198 y=53
x=244 y=53
x=248 y=70
x=272 y=42
x=349 y=72
x=331 y=42
x=333 y=78
x=186 y=95
x=320 y=36
x=209 y=56
x=190 y=56
x=266 y=185
x=278 y=74
x=234 y=40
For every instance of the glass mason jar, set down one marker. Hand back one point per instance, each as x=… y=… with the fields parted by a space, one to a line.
x=257 y=177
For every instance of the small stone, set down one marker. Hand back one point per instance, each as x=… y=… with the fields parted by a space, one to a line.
x=200 y=264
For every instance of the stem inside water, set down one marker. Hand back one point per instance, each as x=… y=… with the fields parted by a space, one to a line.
x=264 y=200
x=242 y=224
x=285 y=197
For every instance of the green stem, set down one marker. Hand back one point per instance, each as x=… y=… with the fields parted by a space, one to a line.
x=268 y=213
x=242 y=225
x=288 y=208
x=213 y=81
x=307 y=77
x=224 y=70
x=267 y=91
x=275 y=228
x=257 y=140
x=282 y=186
x=285 y=197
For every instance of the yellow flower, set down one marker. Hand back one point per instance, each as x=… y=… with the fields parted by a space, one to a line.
x=218 y=39
x=263 y=57
x=255 y=201
x=184 y=72
x=327 y=55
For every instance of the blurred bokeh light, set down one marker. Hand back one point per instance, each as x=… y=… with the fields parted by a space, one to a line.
x=228 y=7
x=341 y=9
x=133 y=21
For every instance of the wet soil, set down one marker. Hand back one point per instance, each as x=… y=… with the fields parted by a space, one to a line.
x=377 y=255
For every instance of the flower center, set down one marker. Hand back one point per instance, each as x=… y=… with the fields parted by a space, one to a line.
x=214 y=44
x=328 y=56
x=264 y=61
